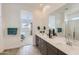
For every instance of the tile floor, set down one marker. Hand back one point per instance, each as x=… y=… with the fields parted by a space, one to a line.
x=29 y=50
x=25 y=50
x=28 y=40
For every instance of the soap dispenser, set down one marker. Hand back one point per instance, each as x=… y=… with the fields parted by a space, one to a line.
x=54 y=33
x=50 y=36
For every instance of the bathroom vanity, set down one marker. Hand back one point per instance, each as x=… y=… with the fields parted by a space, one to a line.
x=46 y=48
x=55 y=46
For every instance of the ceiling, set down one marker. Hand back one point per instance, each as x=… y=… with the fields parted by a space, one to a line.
x=33 y=6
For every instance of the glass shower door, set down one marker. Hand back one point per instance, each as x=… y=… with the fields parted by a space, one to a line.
x=77 y=30
x=71 y=30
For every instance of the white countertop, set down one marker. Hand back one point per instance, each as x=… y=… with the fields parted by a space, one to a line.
x=60 y=43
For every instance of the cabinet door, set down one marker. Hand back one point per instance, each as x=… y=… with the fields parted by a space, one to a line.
x=37 y=41
x=51 y=50
x=43 y=47
x=60 y=52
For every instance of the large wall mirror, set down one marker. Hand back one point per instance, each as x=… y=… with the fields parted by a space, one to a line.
x=52 y=24
x=56 y=22
x=72 y=23
x=65 y=21
x=72 y=26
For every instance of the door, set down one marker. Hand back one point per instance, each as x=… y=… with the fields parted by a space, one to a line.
x=26 y=27
x=77 y=30
x=71 y=30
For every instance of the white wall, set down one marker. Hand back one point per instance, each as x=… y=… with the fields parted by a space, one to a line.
x=1 y=34
x=40 y=18
x=11 y=18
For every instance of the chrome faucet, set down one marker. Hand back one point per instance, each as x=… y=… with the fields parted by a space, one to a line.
x=69 y=43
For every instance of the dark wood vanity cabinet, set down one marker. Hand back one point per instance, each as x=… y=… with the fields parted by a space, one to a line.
x=46 y=48
x=41 y=44
x=37 y=41
x=51 y=50
x=60 y=52
x=43 y=47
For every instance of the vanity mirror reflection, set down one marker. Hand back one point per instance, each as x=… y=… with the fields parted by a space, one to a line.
x=65 y=22
x=72 y=23
x=72 y=27
x=56 y=22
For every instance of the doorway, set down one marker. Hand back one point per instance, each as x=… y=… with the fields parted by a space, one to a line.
x=26 y=27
